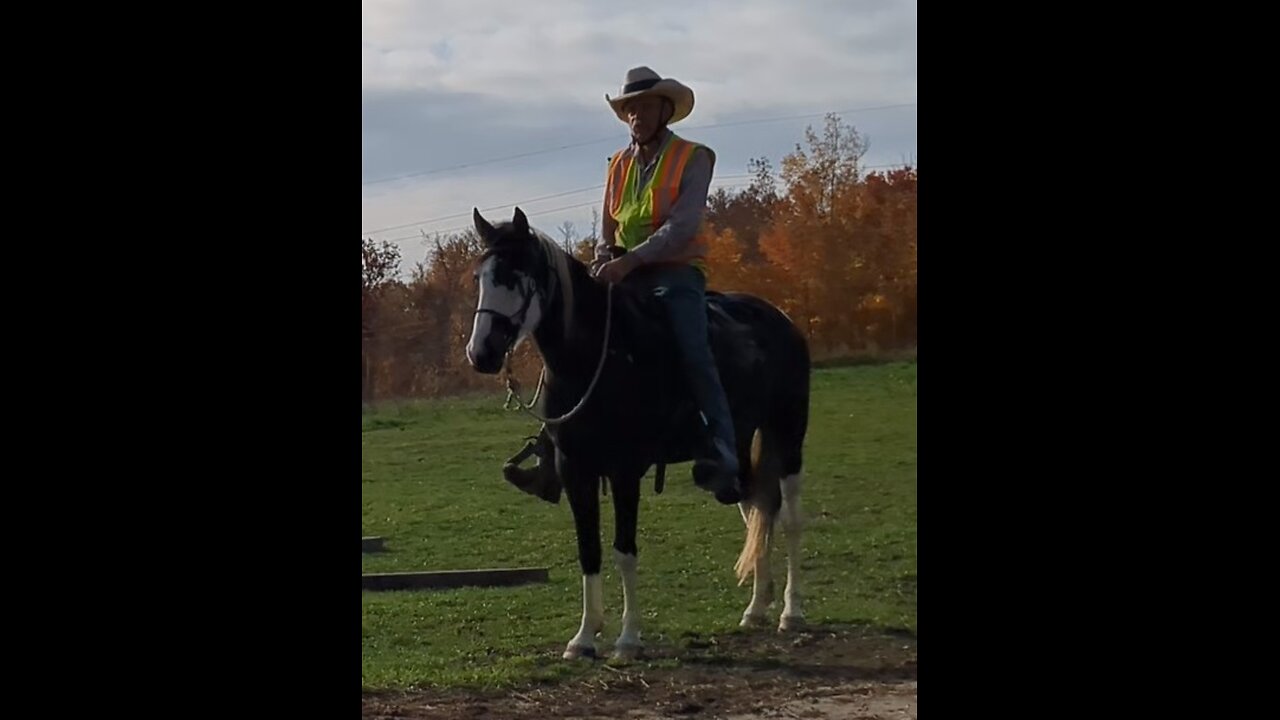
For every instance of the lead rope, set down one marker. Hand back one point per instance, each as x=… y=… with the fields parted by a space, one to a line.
x=513 y=388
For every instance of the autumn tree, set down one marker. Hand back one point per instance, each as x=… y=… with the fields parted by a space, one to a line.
x=568 y=234
x=812 y=239
x=888 y=223
x=379 y=265
x=747 y=212
x=832 y=246
x=585 y=249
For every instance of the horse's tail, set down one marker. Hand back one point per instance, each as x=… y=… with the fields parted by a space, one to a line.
x=761 y=505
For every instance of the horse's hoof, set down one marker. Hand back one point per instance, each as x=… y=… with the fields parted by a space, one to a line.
x=625 y=653
x=790 y=622
x=574 y=652
x=754 y=621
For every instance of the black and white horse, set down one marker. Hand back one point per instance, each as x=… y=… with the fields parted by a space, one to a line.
x=628 y=410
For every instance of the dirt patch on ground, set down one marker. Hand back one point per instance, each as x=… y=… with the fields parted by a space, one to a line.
x=831 y=672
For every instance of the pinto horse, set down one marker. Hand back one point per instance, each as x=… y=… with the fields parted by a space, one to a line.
x=616 y=405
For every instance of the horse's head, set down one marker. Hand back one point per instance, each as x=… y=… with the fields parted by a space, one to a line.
x=510 y=276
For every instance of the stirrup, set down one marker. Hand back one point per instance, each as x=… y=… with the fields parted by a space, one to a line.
x=530 y=448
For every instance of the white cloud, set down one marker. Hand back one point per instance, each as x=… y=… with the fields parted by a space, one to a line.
x=573 y=51
x=447 y=84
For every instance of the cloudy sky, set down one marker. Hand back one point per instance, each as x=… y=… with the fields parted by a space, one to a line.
x=494 y=103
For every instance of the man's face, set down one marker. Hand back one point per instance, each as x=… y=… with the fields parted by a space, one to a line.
x=645 y=115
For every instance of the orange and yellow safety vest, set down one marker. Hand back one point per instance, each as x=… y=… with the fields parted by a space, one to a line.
x=641 y=210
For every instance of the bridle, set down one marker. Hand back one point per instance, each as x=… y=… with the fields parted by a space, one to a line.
x=513 y=389
x=516 y=320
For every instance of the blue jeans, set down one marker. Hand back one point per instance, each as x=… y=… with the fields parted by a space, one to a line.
x=682 y=290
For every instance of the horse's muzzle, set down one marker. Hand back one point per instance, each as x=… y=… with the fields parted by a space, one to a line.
x=487 y=363
x=487 y=359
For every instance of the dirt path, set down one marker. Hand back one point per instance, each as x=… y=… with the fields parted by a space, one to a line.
x=821 y=673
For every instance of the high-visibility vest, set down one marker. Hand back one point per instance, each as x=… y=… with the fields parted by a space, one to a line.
x=639 y=211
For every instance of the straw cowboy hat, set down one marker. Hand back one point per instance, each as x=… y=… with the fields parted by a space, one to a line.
x=643 y=81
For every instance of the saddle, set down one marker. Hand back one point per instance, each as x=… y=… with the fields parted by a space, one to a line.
x=733 y=346
x=729 y=336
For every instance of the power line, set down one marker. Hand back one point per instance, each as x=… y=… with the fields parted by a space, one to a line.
x=590 y=203
x=532 y=214
x=486 y=162
x=504 y=205
x=548 y=197
x=798 y=117
x=614 y=138
x=495 y=207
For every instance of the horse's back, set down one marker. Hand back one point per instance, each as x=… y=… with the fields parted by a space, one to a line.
x=745 y=323
x=760 y=352
x=764 y=364
x=761 y=355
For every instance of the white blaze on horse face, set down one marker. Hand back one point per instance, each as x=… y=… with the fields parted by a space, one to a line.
x=534 y=314
x=506 y=300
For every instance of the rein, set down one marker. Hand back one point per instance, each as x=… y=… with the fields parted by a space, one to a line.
x=513 y=389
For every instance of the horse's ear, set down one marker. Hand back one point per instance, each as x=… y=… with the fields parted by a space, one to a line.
x=520 y=222
x=483 y=228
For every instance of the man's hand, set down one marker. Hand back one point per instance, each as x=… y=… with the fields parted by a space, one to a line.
x=603 y=255
x=614 y=271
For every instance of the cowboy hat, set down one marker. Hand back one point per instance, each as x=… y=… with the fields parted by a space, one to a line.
x=643 y=81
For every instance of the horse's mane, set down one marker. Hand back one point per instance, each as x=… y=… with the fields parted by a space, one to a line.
x=559 y=262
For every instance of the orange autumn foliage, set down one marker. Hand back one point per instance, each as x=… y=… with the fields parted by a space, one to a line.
x=830 y=244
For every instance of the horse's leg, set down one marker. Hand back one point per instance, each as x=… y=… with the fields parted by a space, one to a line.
x=790 y=428
x=792 y=522
x=583 y=490
x=626 y=510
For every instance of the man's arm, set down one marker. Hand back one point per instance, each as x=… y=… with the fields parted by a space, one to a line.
x=608 y=227
x=670 y=241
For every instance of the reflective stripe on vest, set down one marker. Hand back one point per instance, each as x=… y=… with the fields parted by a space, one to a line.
x=639 y=211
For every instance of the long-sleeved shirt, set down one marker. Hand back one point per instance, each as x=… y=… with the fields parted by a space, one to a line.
x=670 y=240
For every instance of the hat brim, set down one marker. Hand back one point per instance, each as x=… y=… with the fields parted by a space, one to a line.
x=679 y=95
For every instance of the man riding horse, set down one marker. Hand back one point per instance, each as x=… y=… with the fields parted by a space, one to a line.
x=654 y=199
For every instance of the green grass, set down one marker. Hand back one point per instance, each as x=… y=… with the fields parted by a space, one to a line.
x=432 y=486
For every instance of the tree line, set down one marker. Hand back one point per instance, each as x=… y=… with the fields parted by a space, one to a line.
x=831 y=244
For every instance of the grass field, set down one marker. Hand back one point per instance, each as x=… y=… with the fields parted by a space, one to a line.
x=431 y=484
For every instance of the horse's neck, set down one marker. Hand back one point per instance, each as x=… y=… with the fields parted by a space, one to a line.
x=578 y=351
